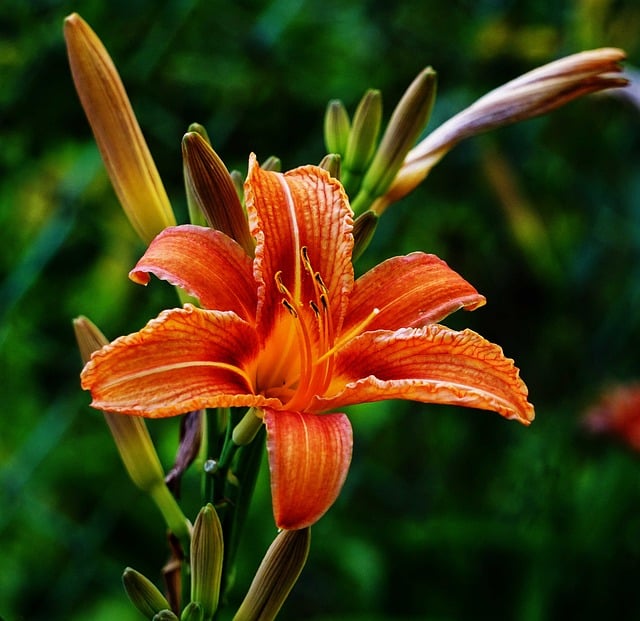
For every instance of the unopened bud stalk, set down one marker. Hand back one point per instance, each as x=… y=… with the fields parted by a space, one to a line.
x=124 y=151
x=134 y=443
x=337 y=127
x=144 y=595
x=276 y=576
x=207 y=552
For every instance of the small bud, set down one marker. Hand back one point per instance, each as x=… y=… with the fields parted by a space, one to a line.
x=276 y=576
x=193 y=612
x=165 y=615
x=272 y=163
x=207 y=551
x=144 y=595
x=363 y=138
x=331 y=163
x=535 y=93
x=210 y=187
x=124 y=151
x=337 y=127
x=364 y=228
x=405 y=126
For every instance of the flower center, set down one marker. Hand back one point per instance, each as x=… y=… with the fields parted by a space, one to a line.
x=306 y=338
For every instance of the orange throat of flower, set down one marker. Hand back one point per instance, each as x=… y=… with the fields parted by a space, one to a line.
x=298 y=360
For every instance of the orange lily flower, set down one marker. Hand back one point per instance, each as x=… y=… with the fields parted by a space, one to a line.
x=290 y=333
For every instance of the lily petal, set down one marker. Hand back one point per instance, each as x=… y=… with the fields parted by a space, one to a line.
x=408 y=292
x=185 y=359
x=302 y=208
x=309 y=457
x=431 y=364
x=200 y=260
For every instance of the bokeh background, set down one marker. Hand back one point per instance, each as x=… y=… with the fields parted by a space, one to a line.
x=447 y=514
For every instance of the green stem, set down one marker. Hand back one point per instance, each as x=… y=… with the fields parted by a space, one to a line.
x=173 y=516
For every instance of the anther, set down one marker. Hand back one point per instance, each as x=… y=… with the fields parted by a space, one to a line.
x=290 y=308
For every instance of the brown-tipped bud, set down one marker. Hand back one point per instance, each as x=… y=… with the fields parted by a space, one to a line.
x=144 y=595
x=405 y=126
x=337 y=127
x=331 y=163
x=364 y=228
x=210 y=186
x=362 y=142
x=535 y=93
x=123 y=148
x=276 y=576
x=272 y=163
x=207 y=552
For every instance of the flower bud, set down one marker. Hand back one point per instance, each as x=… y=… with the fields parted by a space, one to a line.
x=405 y=126
x=133 y=441
x=165 y=615
x=276 y=576
x=537 y=92
x=337 y=127
x=192 y=612
x=210 y=187
x=364 y=227
x=124 y=151
x=362 y=141
x=331 y=163
x=207 y=551
x=144 y=595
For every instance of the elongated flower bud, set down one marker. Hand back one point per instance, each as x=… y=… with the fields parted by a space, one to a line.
x=133 y=441
x=207 y=551
x=405 y=126
x=276 y=576
x=144 y=595
x=362 y=142
x=165 y=615
x=210 y=186
x=124 y=151
x=337 y=127
x=364 y=228
x=535 y=93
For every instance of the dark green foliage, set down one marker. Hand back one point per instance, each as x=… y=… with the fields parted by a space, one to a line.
x=447 y=514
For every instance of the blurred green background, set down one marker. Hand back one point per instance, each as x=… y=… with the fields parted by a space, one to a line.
x=447 y=514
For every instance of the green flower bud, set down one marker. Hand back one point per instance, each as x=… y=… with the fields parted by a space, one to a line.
x=276 y=576
x=207 y=551
x=133 y=442
x=193 y=612
x=337 y=127
x=407 y=123
x=364 y=227
x=165 y=615
x=144 y=595
x=362 y=141
x=331 y=163
x=272 y=163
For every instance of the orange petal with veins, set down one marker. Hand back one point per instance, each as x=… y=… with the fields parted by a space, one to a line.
x=410 y=291
x=184 y=360
x=309 y=457
x=431 y=364
x=206 y=264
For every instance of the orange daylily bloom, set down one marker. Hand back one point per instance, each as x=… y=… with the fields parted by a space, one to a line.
x=290 y=333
